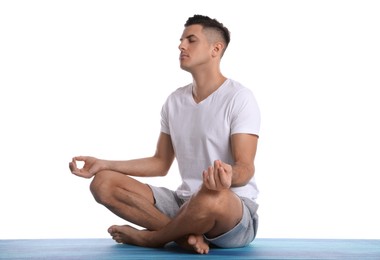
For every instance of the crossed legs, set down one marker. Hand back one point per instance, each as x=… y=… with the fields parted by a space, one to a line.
x=127 y=198
x=209 y=213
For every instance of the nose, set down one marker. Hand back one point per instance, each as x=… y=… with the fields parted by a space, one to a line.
x=181 y=46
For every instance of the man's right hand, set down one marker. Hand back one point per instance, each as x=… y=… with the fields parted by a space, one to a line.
x=91 y=166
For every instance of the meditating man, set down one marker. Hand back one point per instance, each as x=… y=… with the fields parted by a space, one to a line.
x=211 y=128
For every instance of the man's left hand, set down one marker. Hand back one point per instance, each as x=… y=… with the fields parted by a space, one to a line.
x=218 y=177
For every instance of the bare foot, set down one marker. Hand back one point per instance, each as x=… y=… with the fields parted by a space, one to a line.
x=198 y=243
x=130 y=235
x=195 y=243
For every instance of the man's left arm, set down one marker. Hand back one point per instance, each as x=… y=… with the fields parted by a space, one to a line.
x=224 y=176
x=244 y=148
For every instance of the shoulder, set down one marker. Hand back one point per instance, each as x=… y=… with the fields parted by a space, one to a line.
x=180 y=92
x=178 y=96
x=237 y=90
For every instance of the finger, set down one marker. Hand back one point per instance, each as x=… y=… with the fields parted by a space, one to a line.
x=227 y=167
x=73 y=166
x=74 y=161
x=217 y=176
x=205 y=179
x=222 y=165
x=211 y=177
x=224 y=178
x=79 y=158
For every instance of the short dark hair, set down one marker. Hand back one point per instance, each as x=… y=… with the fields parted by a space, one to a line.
x=209 y=23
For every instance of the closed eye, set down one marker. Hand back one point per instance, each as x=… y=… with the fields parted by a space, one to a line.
x=192 y=38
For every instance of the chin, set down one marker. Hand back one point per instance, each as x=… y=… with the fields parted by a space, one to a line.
x=185 y=68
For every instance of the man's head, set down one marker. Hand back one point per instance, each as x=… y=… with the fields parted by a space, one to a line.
x=203 y=43
x=215 y=30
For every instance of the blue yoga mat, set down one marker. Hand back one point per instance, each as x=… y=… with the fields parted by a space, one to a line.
x=107 y=249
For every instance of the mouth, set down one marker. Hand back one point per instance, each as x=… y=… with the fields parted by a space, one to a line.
x=183 y=56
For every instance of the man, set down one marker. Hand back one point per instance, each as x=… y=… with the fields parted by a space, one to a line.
x=211 y=127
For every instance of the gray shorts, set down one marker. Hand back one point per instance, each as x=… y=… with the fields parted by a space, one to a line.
x=241 y=235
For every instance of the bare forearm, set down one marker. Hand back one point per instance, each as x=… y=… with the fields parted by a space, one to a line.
x=242 y=174
x=244 y=150
x=144 y=167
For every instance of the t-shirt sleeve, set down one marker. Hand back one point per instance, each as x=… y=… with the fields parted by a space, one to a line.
x=245 y=117
x=165 y=119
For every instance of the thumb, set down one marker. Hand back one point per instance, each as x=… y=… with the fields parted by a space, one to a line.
x=94 y=169
x=224 y=165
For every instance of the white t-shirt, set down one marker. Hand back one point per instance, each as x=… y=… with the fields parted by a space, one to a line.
x=200 y=133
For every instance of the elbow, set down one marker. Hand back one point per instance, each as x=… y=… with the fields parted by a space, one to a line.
x=163 y=168
x=242 y=178
x=249 y=176
x=162 y=163
x=163 y=172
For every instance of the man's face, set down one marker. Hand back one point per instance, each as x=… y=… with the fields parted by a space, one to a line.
x=195 y=48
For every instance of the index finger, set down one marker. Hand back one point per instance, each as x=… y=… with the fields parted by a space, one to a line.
x=79 y=158
x=73 y=165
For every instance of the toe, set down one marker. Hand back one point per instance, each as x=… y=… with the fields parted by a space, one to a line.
x=192 y=240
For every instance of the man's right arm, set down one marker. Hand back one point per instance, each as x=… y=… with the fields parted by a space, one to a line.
x=157 y=165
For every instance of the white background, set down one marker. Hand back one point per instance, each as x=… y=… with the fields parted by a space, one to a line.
x=89 y=78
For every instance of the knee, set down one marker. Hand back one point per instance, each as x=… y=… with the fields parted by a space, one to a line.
x=210 y=202
x=101 y=187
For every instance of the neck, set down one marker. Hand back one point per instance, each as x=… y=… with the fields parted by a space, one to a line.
x=204 y=84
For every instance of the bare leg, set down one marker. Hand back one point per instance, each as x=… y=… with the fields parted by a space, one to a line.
x=133 y=201
x=205 y=213
x=128 y=198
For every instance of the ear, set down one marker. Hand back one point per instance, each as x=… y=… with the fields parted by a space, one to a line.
x=218 y=49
